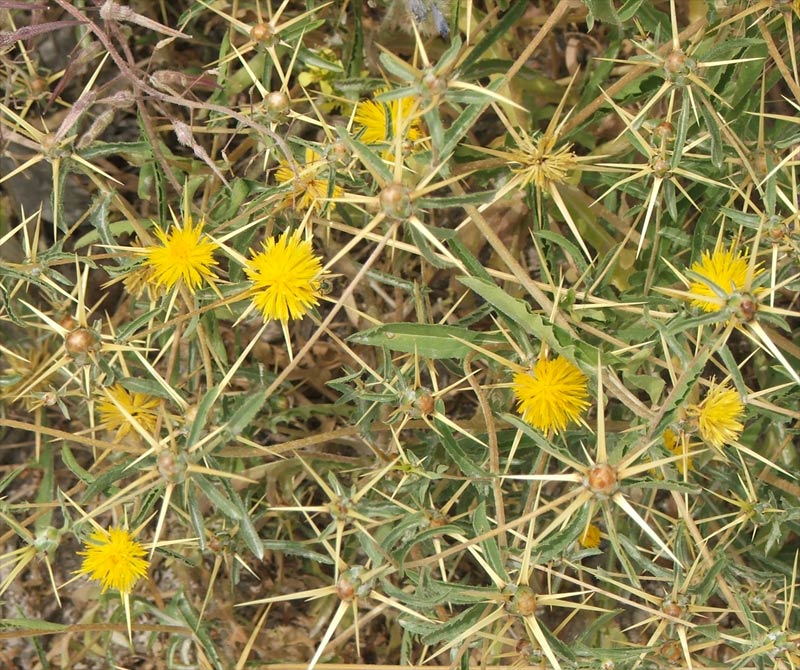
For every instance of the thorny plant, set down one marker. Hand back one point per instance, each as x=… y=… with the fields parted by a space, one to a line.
x=328 y=337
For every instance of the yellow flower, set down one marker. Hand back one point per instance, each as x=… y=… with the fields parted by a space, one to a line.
x=380 y=120
x=718 y=416
x=322 y=75
x=722 y=273
x=308 y=188
x=140 y=406
x=678 y=449
x=184 y=254
x=286 y=277
x=591 y=537
x=542 y=164
x=114 y=559
x=551 y=395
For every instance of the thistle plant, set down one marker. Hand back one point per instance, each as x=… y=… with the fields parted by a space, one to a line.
x=329 y=340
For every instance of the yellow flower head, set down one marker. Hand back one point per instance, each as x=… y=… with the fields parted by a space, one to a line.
x=553 y=394
x=678 y=449
x=286 y=277
x=310 y=188
x=542 y=164
x=381 y=120
x=114 y=559
x=590 y=537
x=140 y=406
x=718 y=416
x=184 y=254
x=722 y=273
x=322 y=75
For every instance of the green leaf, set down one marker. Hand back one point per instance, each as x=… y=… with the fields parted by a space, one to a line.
x=650 y=384
x=427 y=341
x=296 y=549
x=480 y=522
x=196 y=516
x=192 y=619
x=712 y=123
x=249 y=406
x=146 y=386
x=453 y=448
x=629 y=9
x=74 y=467
x=454 y=629
x=556 y=544
x=399 y=555
x=202 y=416
x=218 y=499
x=12 y=475
x=106 y=480
x=497 y=33
x=434 y=593
x=423 y=244
x=515 y=309
x=371 y=160
x=603 y=10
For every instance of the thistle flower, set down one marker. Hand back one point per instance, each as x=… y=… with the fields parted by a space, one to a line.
x=590 y=538
x=676 y=448
x=541 y=163
x=381 y=120
x=323 y=76
x=286 y=277
x=718 y=416
x=115 y=559
x=553 y=394
x=309 y=189
x=184 y=254
x=721 y=273
x=139 y=406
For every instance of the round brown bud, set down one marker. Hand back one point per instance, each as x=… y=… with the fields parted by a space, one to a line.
x=435 y=85
x=524 y=601
x=38 y=85
x=671 y=651
x=665 y=130
x=758 y=160
x=81 y=342
x=262 y=32
x=277 y=102
x=68 y=322
x=395 y=201
x=675 y=62
x=190 y=413
x=281 y=403
x=747 y=309
x=48 y=143
x=660 y=168
x=426 y=404
x=171 y=468
x=437 y=519
x=345 y=589
x=602 y=480
x=339 y=152
x=672 y=609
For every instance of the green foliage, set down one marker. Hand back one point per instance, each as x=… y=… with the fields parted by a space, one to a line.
x=612 y=185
